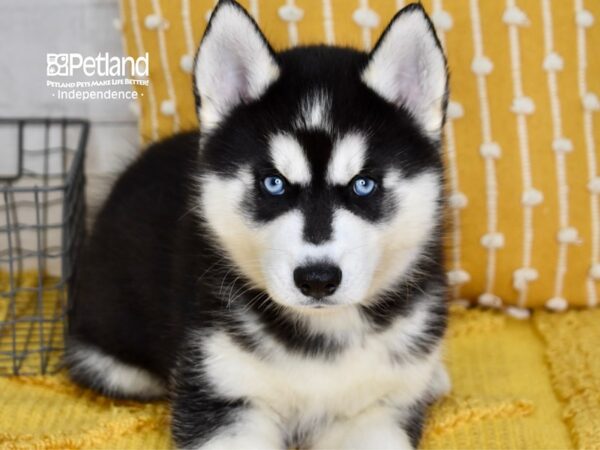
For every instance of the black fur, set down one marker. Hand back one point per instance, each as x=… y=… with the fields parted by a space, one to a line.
x=191 y=396
x=415 y=421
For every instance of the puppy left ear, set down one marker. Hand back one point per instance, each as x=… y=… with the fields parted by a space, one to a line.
x=235 y=64
x=407 y=67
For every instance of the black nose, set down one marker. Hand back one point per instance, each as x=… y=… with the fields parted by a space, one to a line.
x=318 y=280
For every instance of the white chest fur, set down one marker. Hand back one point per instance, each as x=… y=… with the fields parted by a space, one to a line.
x=370 y=370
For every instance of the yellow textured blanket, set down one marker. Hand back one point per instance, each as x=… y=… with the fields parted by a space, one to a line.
x=519 y=385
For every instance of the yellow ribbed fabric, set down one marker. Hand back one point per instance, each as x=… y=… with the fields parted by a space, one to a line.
x=502 y=394
x=525 y=218
x=573 y=353
x=51 y=413
x=518 y=385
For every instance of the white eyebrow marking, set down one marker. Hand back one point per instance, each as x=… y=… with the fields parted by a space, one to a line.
x=314 y=112
x=348 y=159
x=289 y=159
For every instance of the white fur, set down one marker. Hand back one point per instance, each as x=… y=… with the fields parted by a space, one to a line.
x=353 y=248
x=440 y=383
x=407 y=68
x=221 y=207
x=234 y=64
x=403 y=237
x=372 y=257
x=376 y=428
x=315 y=111
x=115 y=376
x=252 y=429
x=289 y=159
x=315 y=395
x=348 y=159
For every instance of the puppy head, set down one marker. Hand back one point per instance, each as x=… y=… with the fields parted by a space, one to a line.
x=321 y=168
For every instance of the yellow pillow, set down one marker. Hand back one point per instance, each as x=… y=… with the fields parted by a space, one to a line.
x=523 y=176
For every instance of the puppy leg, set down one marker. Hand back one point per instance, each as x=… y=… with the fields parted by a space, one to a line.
x=202 y=419
x=240 y=427
x=249 y=429
x=382 y=428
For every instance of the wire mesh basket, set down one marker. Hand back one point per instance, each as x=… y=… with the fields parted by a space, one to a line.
x=42 y=215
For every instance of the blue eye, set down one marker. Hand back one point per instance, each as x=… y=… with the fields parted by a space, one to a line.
x=274 y=185
x=363 y=186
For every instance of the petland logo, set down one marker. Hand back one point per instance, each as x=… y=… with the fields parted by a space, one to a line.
x=71 y=76
x=103 y=65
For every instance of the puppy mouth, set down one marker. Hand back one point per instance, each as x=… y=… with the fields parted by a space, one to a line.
x=319 y=304
x=305 y=304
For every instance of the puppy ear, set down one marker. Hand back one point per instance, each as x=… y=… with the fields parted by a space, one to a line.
x=234 y=64
x=407 y=67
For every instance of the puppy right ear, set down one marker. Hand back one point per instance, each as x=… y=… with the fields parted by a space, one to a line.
x=235 y=64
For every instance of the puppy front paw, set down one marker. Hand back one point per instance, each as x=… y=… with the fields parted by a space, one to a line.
x=379 y=429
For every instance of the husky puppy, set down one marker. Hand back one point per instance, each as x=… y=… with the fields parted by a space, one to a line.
x=279 y=276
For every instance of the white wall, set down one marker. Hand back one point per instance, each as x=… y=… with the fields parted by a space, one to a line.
x=31 y=28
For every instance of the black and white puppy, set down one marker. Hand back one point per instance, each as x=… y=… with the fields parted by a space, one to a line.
x=279 y=276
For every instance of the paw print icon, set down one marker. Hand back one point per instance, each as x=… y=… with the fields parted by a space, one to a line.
x=57 y=64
